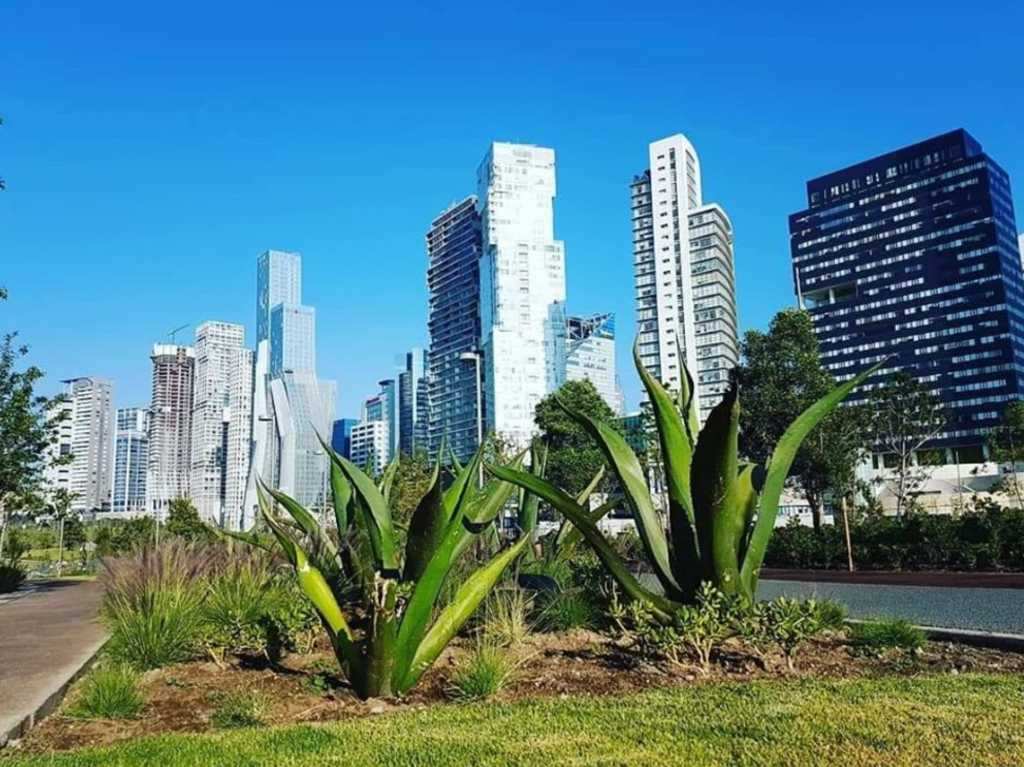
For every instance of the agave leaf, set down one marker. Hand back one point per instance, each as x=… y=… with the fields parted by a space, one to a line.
x=528 y=502
x=585 y=493
x=341 y=492
x=387 y=479
x=743 y=494
x=456 y=463
x=252 y=538
x=376 y=514
x=452 y=618
x=688 y=399
x=576 y=514
x=426 y=528
x=677 y=449
x=316 y=589
x=325 y=553
x=569 y=535
x=778 y=468
x=714 y=469
x=631 y=475
x=463 y=484
x=288 y=546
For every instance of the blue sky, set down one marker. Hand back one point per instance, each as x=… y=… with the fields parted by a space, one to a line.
x=152 y=152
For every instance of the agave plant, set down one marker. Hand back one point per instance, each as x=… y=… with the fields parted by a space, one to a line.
x=721 y=512
x=380 y=604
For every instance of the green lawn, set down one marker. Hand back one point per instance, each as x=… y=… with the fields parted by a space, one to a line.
x=956 y=721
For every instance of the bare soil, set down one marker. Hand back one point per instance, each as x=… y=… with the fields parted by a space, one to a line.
x=308 y=688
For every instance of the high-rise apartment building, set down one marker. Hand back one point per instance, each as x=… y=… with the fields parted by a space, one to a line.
x=131 y=447
x=590 y=355
x=341 y=437
x=522 y=286
x=370 y=445
x=412 y=404
x=221 y=422
x=382 y=407
x=291 y=406
x=57 y=468
x=170 y=427
x=913 y=254
x=453 y=280
x=86 y=433
x=684 y=274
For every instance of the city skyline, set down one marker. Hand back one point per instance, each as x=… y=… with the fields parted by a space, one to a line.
x=178 y=187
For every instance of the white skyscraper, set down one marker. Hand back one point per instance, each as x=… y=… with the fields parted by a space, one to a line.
x=87 y=434
x=522 y=286
x=170 y=427
x=590 y=355
x=685 y=284
x=221 y=417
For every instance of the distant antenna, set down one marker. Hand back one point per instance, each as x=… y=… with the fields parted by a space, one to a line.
x=175 y=332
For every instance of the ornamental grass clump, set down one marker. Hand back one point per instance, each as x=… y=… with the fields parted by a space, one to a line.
x=721 y=511
x=109 y=692
x=383 y=605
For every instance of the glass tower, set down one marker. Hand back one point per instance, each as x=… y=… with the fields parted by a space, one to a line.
x=913 y=254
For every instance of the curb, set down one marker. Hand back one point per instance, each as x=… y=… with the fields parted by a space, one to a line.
x=51 y=701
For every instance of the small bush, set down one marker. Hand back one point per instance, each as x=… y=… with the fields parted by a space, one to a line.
x=110 y=692
x=566 y=610
x=239 y=709
x=506 y=619
x=789 y=623
x=885 y=634
x=483 y=674
x=11 y=577
x=831 y=615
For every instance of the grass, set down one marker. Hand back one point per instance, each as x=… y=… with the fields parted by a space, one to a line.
x=109 y=692
x=483 y=674
x=239 y=710
x=946 y=721
x=885 y=634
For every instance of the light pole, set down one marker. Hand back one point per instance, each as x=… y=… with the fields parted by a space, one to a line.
x=474 y=356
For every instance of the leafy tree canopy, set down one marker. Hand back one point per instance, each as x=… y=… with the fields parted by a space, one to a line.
x=183 y=521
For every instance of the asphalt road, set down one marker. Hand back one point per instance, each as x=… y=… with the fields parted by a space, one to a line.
x=981 y=609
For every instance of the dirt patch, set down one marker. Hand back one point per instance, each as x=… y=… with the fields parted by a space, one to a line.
x=308 y=688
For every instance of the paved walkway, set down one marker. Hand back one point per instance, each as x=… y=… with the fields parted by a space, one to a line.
x=979 y=609
x=47 y=634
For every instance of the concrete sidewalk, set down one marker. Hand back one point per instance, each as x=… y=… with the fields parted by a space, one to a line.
x=46 y=637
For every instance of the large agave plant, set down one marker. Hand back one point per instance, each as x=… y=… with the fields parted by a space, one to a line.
x=721 y=512
x=378 y=603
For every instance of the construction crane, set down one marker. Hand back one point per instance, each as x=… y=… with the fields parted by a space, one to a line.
x=175 y=332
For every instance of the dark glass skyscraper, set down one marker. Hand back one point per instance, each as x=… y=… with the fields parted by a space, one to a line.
x=454 y=245
x=914 y=254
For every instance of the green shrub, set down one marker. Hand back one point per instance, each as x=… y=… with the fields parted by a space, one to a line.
x=483 y=674
x=152 y=604
x=568 y=609
x=789 y=623
x=885 y=634
x=11 y=577
x=830 y=614
x=239 y=709
x=695 y=632
x=109 y=692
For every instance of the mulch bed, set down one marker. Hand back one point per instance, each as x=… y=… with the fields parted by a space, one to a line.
x=306 y=688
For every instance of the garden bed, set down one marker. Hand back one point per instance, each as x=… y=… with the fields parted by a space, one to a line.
x=191 y=697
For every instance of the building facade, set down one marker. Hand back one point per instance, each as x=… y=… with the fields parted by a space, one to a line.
x=291 y=405
x=684 y=275
x=341 y=437
x=413 y=431
x=221 y=422
x=913 y=255
x=370 y=446
x=131 y=448
x=86 y=433
x=170 y=427
x=522 y=286
x=453 y=282
x=590 y=355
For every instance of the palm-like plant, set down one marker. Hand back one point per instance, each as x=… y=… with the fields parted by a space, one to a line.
x=379 y=604
x=721 y=512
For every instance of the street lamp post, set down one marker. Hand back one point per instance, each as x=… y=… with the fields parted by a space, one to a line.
x=474 y=356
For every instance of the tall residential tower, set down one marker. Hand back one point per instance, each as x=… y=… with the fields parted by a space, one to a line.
x=131 y=447
x=170 y=427
x=685 y=280
x=522 y=286
x=87 y=434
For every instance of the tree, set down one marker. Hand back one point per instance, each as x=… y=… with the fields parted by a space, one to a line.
x=183 y=521
x=1006 y=444
x=905 y=416
x=25 y=429
x=781 y=376
x=573 y=457
x=60 y=507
